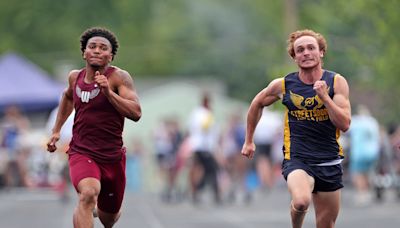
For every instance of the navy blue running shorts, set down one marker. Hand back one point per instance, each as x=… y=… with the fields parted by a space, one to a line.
x=327 y=178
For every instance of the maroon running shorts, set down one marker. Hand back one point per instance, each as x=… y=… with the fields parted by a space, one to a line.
x=111 y=176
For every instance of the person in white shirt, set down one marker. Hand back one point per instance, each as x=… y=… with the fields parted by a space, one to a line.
x=265 y=136
x=203 y=139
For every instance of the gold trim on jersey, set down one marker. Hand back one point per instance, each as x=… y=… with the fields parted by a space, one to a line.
x=334 y=79
x=341 y=152
x=286 y=140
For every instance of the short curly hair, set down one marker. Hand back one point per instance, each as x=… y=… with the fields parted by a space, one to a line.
x=323 y=46
x=98 y=31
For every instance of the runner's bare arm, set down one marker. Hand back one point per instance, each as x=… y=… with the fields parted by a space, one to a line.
x=66 y=105
x=339 y=109
x=265 y=97
x=65 y=109
x=125 y=99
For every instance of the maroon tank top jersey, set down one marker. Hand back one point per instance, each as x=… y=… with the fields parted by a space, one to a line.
x=97 y=130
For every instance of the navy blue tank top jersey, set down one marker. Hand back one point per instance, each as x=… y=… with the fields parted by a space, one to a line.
x=97 y=130
x=309 y=135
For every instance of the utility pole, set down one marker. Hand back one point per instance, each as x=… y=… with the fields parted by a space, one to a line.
x=290 y=20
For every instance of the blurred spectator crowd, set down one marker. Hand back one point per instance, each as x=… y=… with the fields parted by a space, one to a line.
x=204 y=154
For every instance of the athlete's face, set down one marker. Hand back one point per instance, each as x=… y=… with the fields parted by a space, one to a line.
x=98 y=52
x=307 y=52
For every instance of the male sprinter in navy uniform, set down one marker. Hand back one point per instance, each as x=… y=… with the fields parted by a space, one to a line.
x=318 y=108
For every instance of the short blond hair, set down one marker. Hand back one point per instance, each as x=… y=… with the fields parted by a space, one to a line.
x=323 y=46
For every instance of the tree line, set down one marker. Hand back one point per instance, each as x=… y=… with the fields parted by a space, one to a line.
x=240 y=42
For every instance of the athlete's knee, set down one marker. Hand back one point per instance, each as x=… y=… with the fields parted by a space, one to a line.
x=88 y=195
x=326 y=218
x=108 y=220
x=325 y=222
x=109 y=223
x=301 y=204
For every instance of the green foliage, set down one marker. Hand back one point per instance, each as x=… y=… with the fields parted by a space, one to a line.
x=363 y=38
x=242 y=43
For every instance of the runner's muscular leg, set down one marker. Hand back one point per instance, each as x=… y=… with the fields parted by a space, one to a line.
x=300 y=186
x=88 y=191
x=108 y=219
x=327 y=206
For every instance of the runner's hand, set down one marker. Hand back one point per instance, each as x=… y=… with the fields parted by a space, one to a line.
x=248 y=150
x=51 y=145
x=102 y=82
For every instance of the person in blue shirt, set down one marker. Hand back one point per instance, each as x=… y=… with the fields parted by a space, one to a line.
x=365 y=144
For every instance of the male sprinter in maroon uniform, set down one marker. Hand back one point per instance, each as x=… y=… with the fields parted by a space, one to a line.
x=102 y=95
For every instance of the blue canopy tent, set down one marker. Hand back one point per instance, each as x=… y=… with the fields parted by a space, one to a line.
x=24 y=84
